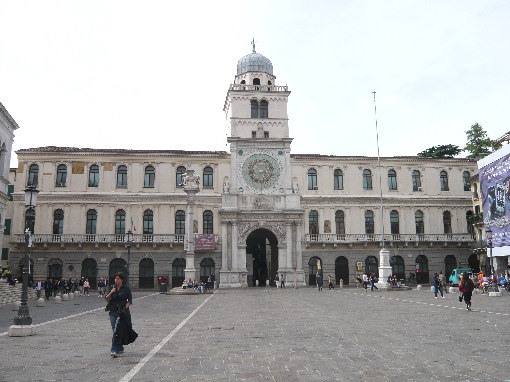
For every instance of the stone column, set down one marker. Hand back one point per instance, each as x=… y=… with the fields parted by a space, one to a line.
x=384 y=269
x=235 y=260
x=288 y=241
x=299 y=252
x=224 y=247
x=191 y=188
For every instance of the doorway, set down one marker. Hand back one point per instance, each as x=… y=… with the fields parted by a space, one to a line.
x=262 y=244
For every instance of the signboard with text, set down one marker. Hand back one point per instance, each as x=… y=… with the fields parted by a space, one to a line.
x=205 y=242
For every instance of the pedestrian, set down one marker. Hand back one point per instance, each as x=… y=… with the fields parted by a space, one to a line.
x=466 y=287
x=121 y=299
x=55 y=287
x=86 y=286
x=80 y=284
x=437 y=286
x=277 y=281
x=282 y=281
x=38 y=288
x=330 y=283
x=365 y=281
x=358 y=281
x=47 y=288
x=105 y=285
x=319 y=281
x=373 y=280
x=443 y=282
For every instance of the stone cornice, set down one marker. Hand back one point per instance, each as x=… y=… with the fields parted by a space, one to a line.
x=8 y=117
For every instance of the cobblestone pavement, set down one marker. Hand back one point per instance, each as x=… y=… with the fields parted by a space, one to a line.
x=259 y=335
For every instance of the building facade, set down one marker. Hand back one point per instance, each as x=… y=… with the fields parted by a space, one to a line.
x=269 y=211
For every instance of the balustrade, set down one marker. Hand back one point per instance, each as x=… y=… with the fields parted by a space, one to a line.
x=390 y=238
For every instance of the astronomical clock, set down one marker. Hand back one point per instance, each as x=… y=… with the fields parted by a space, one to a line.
x=261 y=171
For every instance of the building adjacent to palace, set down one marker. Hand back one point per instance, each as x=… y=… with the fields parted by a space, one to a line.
x=260 y=209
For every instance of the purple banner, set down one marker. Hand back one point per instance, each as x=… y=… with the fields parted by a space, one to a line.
x=205 y=242
x=495 y=190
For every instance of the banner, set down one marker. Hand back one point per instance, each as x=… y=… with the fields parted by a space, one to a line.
x=205 y=242
x=495 y=191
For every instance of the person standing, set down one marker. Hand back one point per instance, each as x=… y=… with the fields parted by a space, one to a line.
x=466 y=287
x=282 y=281
x=80 y=284
x=121 y=299
x=47 y=288
x=38 y=288
x=442 y=280
x=437 y=286
x=330 y=283
x=86 y=286
x=373 y=280
x=277 y=281
x=319 y=281
x=365 y=281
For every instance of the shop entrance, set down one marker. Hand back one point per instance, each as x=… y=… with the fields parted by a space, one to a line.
x=262 y=245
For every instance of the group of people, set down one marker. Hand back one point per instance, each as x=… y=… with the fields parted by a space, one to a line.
x=54 y=287
x=367 y=279
x=279 y=281
x=200 y=285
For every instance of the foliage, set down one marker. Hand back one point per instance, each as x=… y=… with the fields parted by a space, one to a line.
x=478 y=143
x=441 y=151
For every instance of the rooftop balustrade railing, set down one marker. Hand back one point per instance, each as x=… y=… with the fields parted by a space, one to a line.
x=390 y=238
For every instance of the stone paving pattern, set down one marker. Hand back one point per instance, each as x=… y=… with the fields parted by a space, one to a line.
x=276 y=335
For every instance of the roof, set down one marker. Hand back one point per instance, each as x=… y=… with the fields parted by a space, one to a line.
x=7 y=116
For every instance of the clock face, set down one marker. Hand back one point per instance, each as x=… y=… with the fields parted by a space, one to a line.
x=260 y=171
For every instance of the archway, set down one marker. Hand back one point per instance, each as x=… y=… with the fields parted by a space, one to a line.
x=55 y=269
x=313 y=269
x=207 y=266
x=397 y=267
x=422 y=269
x=450 y=263
x=116 y=265
x=372 y=265
x=262 y=244
x=89 y=271
x=178 y=266
x=473 y=263
x=342 y=270
x=146 y=273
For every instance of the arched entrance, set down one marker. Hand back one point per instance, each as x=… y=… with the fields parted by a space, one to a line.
x=372 y=265
x=146 y=273
x=473 y=263
x=207 y=266
x=312 y=270
x=422 y=270
x=89 y=271
x=450 y=263
x=397 y=267
x=178 y=266
x=55 y=269
x=116 y=265
x=342 y=270
x=262 y=244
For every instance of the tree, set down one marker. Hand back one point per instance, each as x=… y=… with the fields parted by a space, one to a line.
x=441 y=151
x=478 y=143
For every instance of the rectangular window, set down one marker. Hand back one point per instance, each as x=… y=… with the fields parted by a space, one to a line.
x=7 y=230
x=266 y=134
x=5 y=253
x=10 y=190
x=254 y=134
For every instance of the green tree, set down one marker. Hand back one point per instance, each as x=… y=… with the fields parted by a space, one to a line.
x=478 y=143
x=441 y=151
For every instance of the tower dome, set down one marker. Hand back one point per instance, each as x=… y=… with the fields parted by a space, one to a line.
x=254 y=62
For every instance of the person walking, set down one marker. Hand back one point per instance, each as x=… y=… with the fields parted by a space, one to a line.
x=47 y=288
x=38 y=288
x=277 y=281
x=442 y=281
x=282 y=281
x=365 y=281
x=330 y=283
x=80 y=284
x=319 y=281
x=466 y=287
x=437 y=286
x=373 y=280
x=86 y=286
x=121 y=299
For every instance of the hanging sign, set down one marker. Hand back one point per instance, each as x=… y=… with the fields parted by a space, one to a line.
x=205 y=242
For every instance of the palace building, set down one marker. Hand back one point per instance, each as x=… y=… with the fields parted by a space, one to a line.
x=258 y=210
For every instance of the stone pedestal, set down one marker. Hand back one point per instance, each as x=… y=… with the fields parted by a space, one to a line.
x=384 y=269
x=21 y=330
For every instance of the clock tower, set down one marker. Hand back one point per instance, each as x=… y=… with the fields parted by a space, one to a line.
x=259 y=204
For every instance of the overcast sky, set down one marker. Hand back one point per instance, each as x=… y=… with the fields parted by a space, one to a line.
x=154 y=74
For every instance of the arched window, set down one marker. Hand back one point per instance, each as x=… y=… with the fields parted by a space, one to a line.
x=178 y=266
x=418 y=220
x=33 y=175
x=422 y=269
x=392 y=180
x=447 y=222
x=91 y=222
x=443 y=179
x=207 y=266
x=369 y=222
x=416 y=180
x=394 y=223
x=397 y=267
x=467 y=183
x=371 y=265
x=148 y=222
x=120 y=222
x=208 y=222
x=450 y=263
x=150 y=176
x=180 y=222
x=263 y=112
x=94 y=176
x=61 y=175
x=181 y=170
x=340 y=222
x=207 y=179
x=122 y=176
x=146 y=273
x=312 y=179
x=313 y=222
x=338 y=179
x=256 y=81
x=367 y=180
x=470 y=227
x=254 y=108
x=58 y=222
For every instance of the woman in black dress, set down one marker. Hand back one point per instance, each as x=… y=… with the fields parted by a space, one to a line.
x=121 y=299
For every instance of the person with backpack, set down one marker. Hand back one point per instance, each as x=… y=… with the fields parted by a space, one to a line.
x=373 y=280
x=437 y=286
x=466 y=287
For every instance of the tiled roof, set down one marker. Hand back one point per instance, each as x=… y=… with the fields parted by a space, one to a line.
x=55 y=149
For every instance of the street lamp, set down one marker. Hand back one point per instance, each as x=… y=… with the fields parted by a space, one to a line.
x=488 y=233
x=129 y=237
x=23 y=317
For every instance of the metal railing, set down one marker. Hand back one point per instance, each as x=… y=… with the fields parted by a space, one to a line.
x=263 y=88
x=390 y=238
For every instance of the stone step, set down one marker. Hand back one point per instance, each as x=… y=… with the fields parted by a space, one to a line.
x=10 y=294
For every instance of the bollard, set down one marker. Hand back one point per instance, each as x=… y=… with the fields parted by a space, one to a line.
x=65 y=297
x=341 y=285
x=16 y=305
x=76 y=294
x=256 y=282
x=71 y=296
x=215 y=284
x=40 y=302
x=57 y=300
x=418 y=287
x=432 y=288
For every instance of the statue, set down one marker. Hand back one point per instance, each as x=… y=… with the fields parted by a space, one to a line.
x=226 y=186
x=190 y=177
x=295 y=187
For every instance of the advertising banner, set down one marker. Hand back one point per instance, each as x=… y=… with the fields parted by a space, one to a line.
x=205 y=242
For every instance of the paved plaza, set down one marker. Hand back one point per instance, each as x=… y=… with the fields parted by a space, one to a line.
x=276 y=335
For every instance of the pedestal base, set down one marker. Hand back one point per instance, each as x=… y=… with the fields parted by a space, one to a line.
x=382 y=285
x=21 y=330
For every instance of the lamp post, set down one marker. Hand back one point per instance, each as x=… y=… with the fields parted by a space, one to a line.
x=23 y=318
x=488 y=233
x=129 y=237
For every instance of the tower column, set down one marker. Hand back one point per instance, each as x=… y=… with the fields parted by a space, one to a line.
x=224 y=247
x=288 y=240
